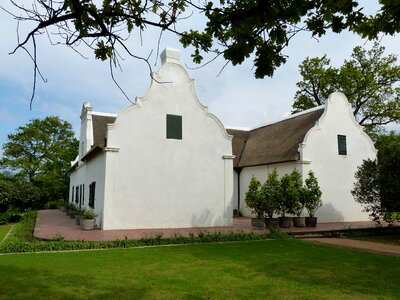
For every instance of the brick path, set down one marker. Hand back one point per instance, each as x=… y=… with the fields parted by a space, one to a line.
x=53 y=222
x=362 y=245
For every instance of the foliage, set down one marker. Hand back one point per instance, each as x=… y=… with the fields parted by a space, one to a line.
x=54 y=204
x=17 y=194
x=22 y=242
x=369 y=80
x=391 y=217
x=10 y=216
x=88 y=214
x=291 y=188
x=253 y=199
x=41 y=152
x=270 y=193
x=236 y=30
x=312 y=194
x=377 y=185
x=23 y=230
x=366 y=189
x=389 y=170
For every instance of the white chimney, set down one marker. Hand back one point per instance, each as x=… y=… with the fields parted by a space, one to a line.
x=170 y=55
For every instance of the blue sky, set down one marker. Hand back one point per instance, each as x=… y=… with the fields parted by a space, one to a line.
x=235 y=96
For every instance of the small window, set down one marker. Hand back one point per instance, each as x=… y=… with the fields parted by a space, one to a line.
x=174 y=127
x=76 y=194
x=92 y=192
x=342 y=147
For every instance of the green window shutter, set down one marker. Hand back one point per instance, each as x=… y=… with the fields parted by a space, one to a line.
x=174 y=127
x=342 y=146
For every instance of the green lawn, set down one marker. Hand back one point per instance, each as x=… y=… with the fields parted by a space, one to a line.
x=276 y=269
x=386 y=239
x=4 y=229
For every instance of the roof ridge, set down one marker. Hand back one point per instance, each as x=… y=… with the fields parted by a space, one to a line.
x=304 y=112
x=104 y=114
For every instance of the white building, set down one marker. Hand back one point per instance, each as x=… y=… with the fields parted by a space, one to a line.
x=164 y=162
x=326 y=139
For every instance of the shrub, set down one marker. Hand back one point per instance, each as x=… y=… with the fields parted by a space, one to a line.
x=17 y=245
x=10 y=216
x=253 y=199
x=88 y=214
x=291 y=185
x=54 y=204
x=270 y=194
x=312 y=194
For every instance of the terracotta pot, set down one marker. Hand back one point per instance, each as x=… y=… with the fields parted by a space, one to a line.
x=271 y=222
x=87 y=224
x=299 y=222
x=285 y=222
x=311 y=221
x=257 y=223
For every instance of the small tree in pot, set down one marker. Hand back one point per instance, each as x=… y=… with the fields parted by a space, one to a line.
x=312 y=199
x=271 y=195
x=255 y=203
x=299 y=221
x=290 y=196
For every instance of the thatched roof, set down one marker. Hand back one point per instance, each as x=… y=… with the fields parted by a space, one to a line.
x=273 y=143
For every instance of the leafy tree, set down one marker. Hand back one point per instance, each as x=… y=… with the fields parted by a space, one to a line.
x=312 y=194
x=369 y=80
x=377 y=185
x=253 y=199
x=41 y=152
x=18 y=194
x=236 y=30
x=291 y=185
x=270 y=194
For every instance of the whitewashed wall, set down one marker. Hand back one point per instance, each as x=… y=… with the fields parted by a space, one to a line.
x=336 y=172
x=155 y=182
x=261 y=173
x=95 y=172
x=319 y=153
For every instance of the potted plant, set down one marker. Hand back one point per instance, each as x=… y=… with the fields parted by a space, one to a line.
x=78 y=218
x=290 y=197
x=312 y=199
x=271 y=195
x=72 y=211
x=299 y=221
x=254 y=202
x=88 y=219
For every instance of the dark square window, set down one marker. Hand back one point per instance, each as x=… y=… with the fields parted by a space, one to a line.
x=174 y=127
x=342 y=147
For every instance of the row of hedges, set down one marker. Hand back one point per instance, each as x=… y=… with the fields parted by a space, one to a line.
x=22 y=240
x=18 y=246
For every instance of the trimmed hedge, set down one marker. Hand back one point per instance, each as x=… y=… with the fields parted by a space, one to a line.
x=10 y=216
x=22 y=240
x=18 y=246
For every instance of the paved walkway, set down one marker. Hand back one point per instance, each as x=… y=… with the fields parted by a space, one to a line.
x=53 y=222
x=362 y=245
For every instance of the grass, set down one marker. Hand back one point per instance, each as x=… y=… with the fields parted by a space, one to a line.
x=276 y=269
x=385 y=239
x=4 y=229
